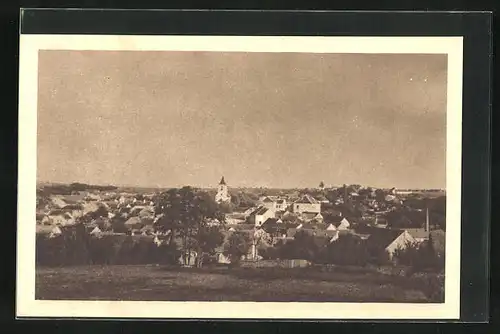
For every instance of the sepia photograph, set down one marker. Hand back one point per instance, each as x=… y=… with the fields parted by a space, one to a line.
x=300 y=176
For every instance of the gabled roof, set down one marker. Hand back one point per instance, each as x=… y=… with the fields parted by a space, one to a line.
x=381 y=238
x=267 y=200
x=96 y=230
x=308 y=199
x=312 y=226
x=336 y=220
x=133 y=221
x=44 y=229
x=418 y=232
x=280 y=201
x=260 y=211
x=310 y=215
x=270 y=221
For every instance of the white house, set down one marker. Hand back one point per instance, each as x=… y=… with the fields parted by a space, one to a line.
x=248 y=211
x=419 y=234
x=307 y=204
x=331 y=227
x=96 y=231
x=269 y=203
x=188 y=259
x=55 y=232
x=388 y=241
x=344 y=224
x=260 y=215
x=281 y=204
x=340 y=223
x=310 y=216
x=401 y=242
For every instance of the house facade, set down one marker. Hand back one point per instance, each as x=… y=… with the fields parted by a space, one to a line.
x=310 y=216
x=260 y=215
x=306 y=204
x=419 y=234
x=281 y=204
x=269 y=203
x=401 y=242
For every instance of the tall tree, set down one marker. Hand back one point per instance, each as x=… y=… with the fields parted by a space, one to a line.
x=238 y=244
x=185 y=213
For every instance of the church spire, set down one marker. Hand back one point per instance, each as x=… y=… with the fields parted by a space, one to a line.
x=222 y=181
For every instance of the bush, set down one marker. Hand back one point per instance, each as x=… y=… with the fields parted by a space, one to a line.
x=105 y=250
x=347 y=250
x=420 y=257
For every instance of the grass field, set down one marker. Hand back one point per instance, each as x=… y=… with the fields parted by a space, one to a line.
x=151 y=282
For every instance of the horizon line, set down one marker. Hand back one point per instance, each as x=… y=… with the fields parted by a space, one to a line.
x=237 y=186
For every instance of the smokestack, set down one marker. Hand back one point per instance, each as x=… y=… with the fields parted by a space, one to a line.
x=427 y=220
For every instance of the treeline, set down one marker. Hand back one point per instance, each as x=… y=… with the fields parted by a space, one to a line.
x=67 y=249
x=68 y=189
x=352 y=251
x=79 y=248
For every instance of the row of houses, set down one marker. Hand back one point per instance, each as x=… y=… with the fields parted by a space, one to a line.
x=306 y=208
x=378 y=240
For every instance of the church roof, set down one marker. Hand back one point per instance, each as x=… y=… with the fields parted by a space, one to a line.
x=222 y=181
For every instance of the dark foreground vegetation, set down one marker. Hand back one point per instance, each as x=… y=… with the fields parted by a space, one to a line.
x=165 y=283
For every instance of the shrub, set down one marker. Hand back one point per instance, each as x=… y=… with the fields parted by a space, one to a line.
x=347 y=250
x=420 y=257
x=105 y=250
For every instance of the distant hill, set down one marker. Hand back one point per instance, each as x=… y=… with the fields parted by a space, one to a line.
x=66 y=189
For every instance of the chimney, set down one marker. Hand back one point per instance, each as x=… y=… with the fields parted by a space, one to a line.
x=427 y=220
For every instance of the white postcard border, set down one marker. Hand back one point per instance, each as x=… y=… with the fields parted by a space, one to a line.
x=27 y=306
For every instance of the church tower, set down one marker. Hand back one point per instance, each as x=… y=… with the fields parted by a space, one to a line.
x=222 y=195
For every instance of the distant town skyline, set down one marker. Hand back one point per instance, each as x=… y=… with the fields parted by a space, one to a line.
x=169 y=119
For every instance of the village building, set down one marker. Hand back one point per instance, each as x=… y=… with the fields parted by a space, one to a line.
x=188 y=259
x=421 y=234
x=281 y=204
x=269 y=203
x=260 y=215
x=311 y=216
x=134 y=223
x=380 y=222
x=56 y=231
x=222 y=258
x=222 y=195
x=307 y=204
x=385 y=242
x=272 y=226
x=339 y=222
x=248 y=211
x=96 y=231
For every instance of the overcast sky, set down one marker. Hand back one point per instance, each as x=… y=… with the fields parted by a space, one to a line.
x=170 y=119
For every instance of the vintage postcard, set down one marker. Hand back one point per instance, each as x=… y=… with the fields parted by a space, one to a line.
x=239 y=177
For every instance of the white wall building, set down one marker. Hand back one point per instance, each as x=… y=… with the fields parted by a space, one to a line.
x=307 y=204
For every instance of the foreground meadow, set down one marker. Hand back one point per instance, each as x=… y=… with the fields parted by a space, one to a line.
x=159 y=283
